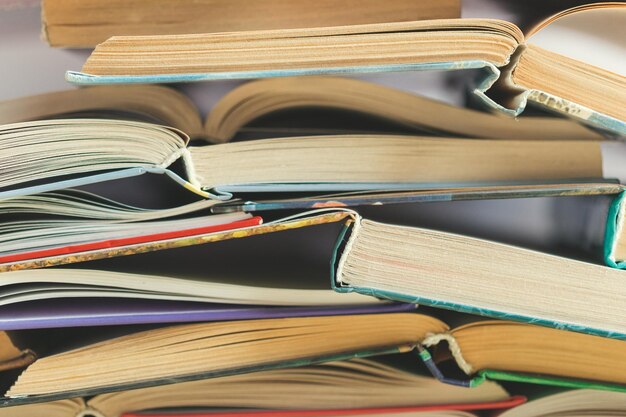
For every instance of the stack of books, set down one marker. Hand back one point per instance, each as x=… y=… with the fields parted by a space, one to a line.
x=153 y=263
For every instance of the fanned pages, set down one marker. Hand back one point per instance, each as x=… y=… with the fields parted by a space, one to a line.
x=244 y=104
x=92 y=150
x=71 y=221
x=156 y=103
x=41 y=284
x=257 y=98
x=196 y=351
x=528 y=349
x=209 y=350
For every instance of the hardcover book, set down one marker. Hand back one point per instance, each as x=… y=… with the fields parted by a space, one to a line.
x=522 y=71
x=332 y=163
x=472 y=275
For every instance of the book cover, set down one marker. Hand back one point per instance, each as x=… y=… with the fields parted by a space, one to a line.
x=545 y=189
x=44 y=314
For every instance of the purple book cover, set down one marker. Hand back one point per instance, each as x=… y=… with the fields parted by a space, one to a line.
x=82 y=312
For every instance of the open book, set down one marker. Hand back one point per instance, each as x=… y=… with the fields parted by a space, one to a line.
x=525 y=72
x=88 y=309
x=495 y=349
x=94 y=150
x=237 y=110
x=41 y=161
x=358 y=386
x=203 y=350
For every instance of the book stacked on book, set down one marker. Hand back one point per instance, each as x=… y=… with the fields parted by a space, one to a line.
x=157 y=264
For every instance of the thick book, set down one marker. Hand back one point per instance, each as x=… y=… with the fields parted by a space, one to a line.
x=485 y=350
x=355 y=387
x=241 y=108
x=461 y=273
x=84 y=24
x=521 y=70
x=135 y=359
